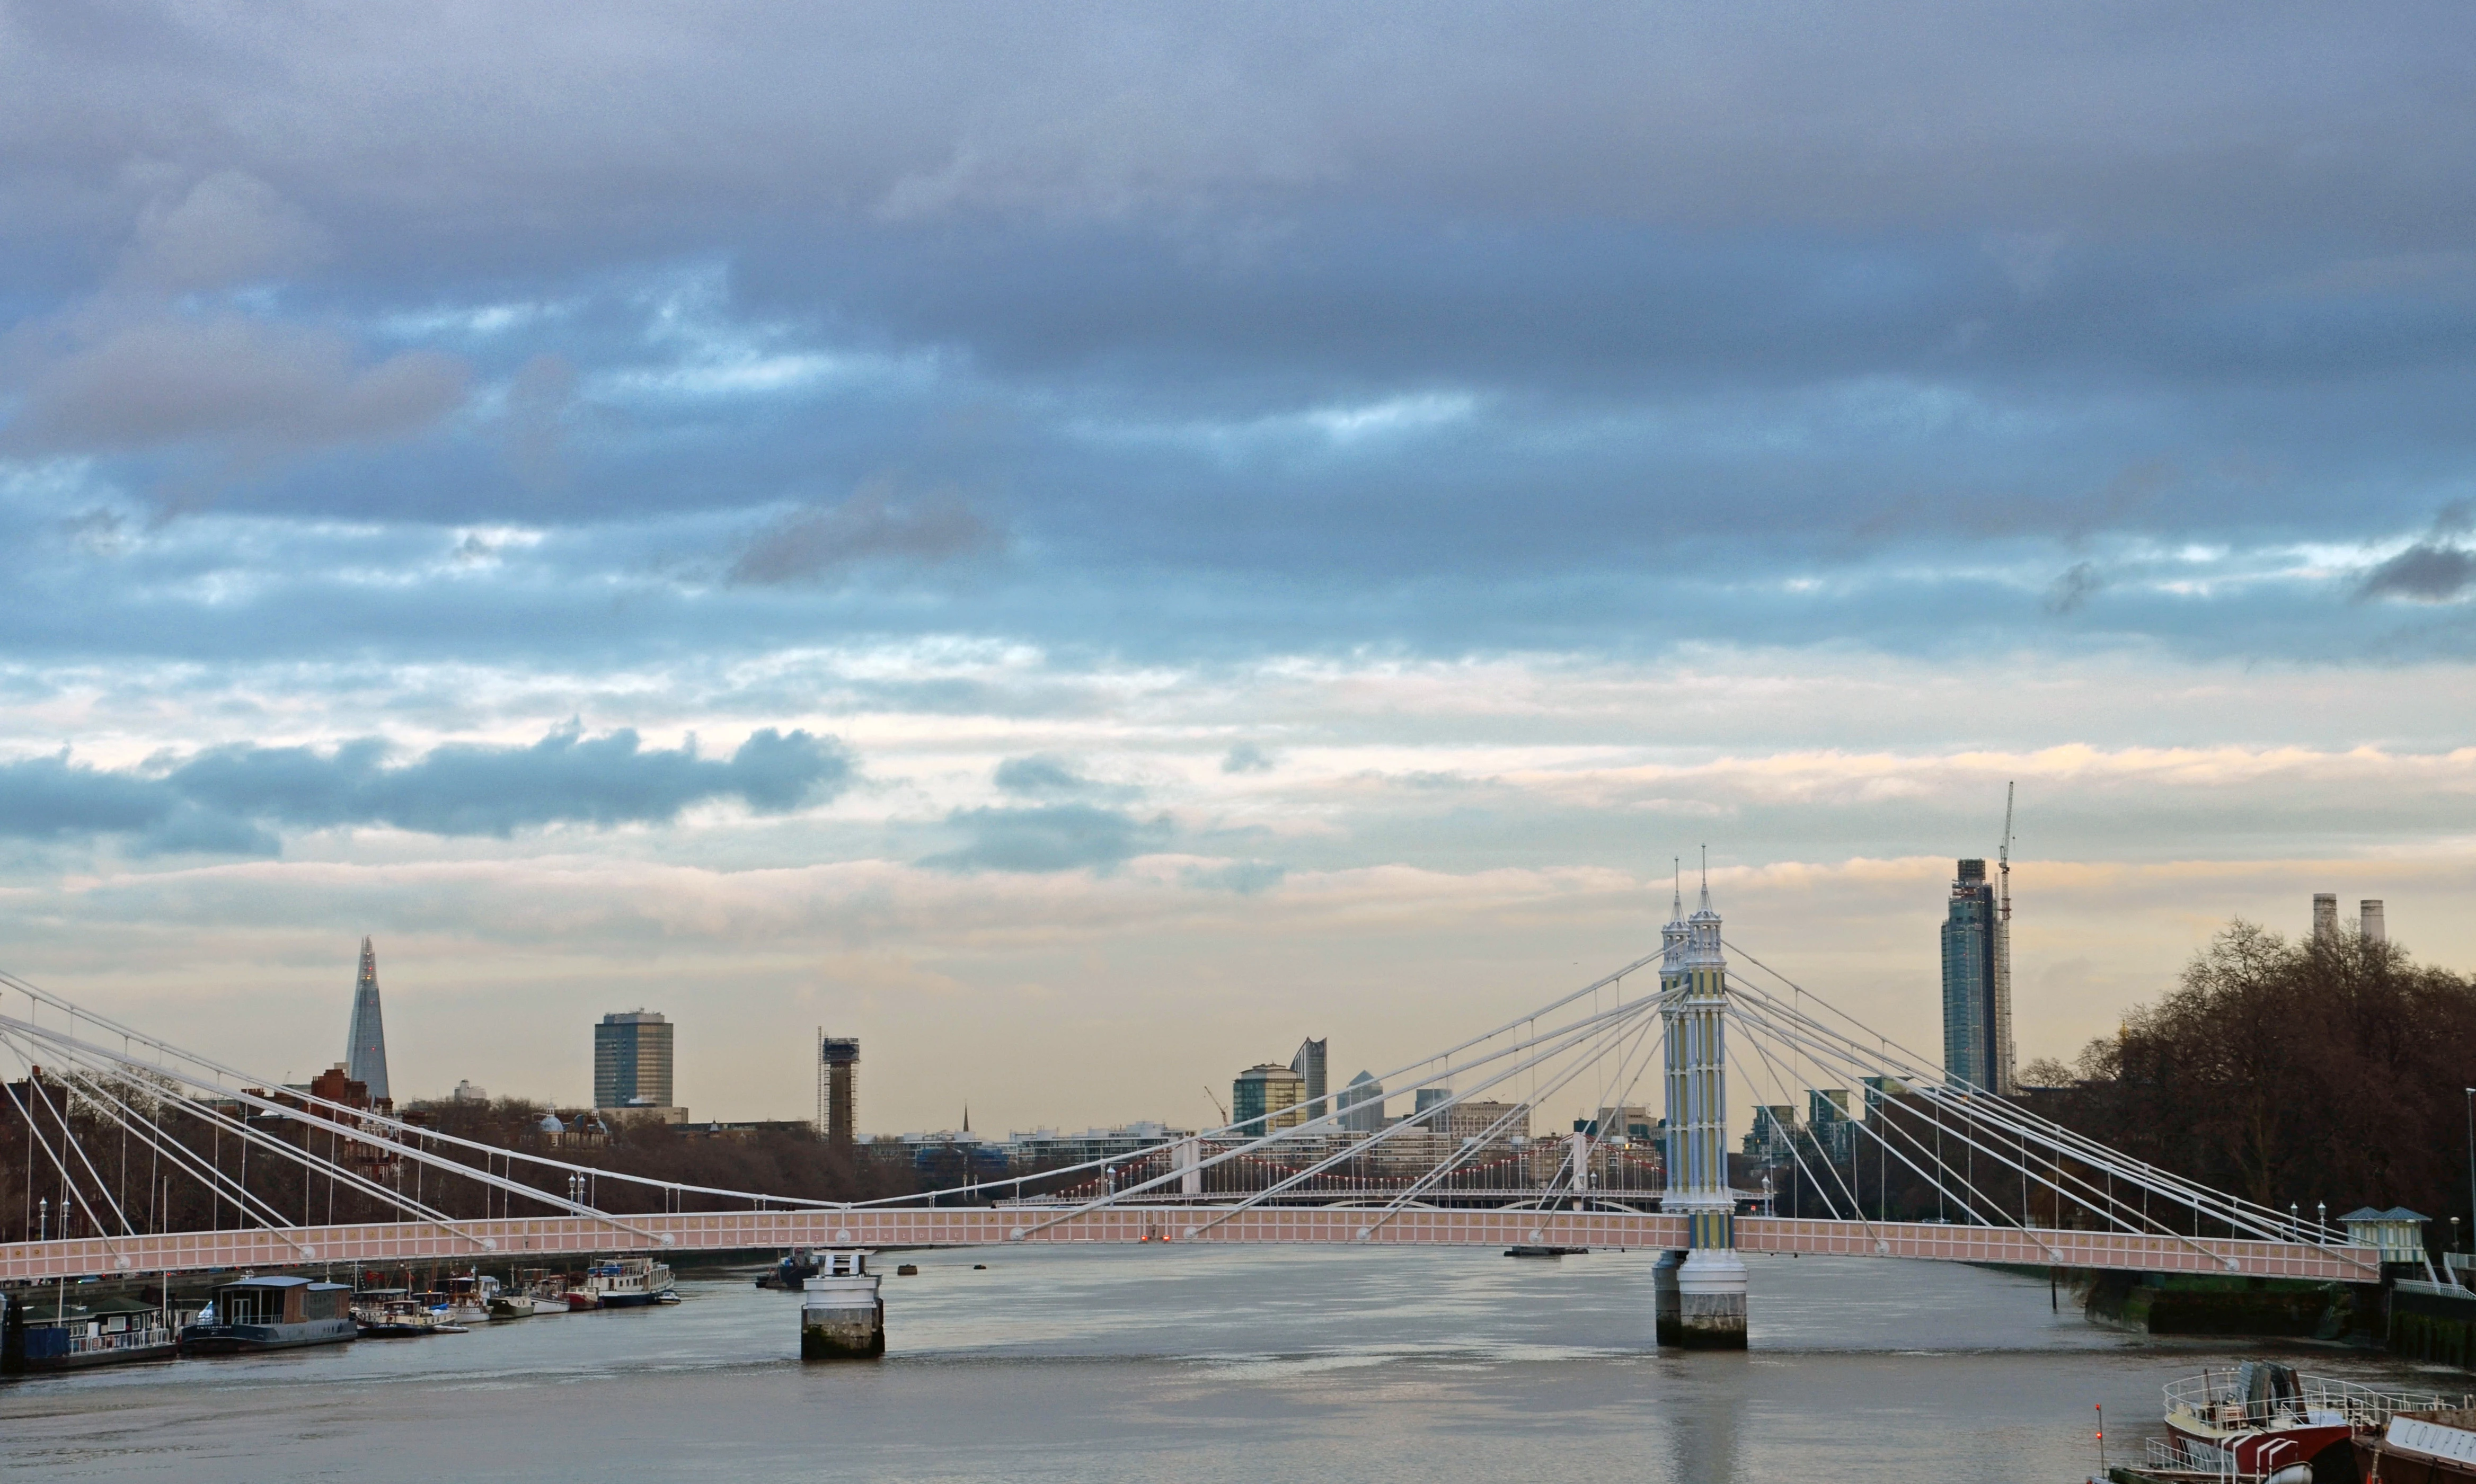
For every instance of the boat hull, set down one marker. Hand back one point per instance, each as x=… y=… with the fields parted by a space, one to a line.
x=118 y=1355
x=2374 y=1461
x=243 y=1339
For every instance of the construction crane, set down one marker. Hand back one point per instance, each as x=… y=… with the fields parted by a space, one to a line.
x=2003 y=856
x=1216 y=1105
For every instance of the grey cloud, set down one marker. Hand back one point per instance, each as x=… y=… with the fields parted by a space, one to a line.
x=825 y=539
x=539 y=400
x=230 y=228
x=1247 y=757
x=220 y=799
x=1048 y=838
x=2072 y=592
x=1052 y=777
x=2426 y=572
x=1245 y=877
x=255 y=384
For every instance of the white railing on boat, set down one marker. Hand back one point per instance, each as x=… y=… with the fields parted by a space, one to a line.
x=2212 y=1399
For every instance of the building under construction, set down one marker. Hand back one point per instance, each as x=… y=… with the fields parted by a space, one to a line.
x=838 y=1069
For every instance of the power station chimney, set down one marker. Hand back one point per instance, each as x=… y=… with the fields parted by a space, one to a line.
x=2369 y=915
x=2325 y=914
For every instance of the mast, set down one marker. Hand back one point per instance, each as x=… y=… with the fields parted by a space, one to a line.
x=2003 y=855
x=1999 y=1075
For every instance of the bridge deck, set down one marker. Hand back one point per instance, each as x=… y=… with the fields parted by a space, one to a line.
x=513 y=1240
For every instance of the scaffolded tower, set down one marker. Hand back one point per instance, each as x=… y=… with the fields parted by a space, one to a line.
x=837 y=1067
x=365 y=1049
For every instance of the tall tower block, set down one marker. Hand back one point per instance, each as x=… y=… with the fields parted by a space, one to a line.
x=1710 y=1312
x=366 y=1047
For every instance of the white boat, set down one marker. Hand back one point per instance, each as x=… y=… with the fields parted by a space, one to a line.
x=468 y=1300
x=627 y=1282
x=547 y=1291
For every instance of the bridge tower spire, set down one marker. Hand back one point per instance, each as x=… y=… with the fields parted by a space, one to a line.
x=1709 y=1306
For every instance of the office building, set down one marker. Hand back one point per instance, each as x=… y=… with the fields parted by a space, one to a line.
x=1362 y=1105
x=1976 y=985
x=631 y=1064
x=1632 y=1121
x=1495 y=1123
x=1828 y=1117
x=365 y=1046
x=1266 y=1098
x=1308 y=1064
x=837 y=1073
x=1774 y=1125
x=1429 y=1097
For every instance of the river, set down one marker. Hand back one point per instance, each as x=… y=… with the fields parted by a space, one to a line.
x=1178 y=1363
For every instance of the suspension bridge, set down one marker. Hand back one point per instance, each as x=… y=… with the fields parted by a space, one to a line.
x=2014 y=1187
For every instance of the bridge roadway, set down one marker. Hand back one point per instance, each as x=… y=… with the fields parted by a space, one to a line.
x=514 y=1239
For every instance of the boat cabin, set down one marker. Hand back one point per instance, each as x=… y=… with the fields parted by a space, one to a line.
x=280 y=1301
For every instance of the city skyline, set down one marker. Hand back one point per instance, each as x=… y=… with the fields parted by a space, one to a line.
x=1067 y=539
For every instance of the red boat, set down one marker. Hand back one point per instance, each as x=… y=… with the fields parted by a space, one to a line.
x=2262 y=1422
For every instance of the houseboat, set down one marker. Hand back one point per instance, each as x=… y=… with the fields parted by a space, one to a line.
x=271 y=1314
x=391 y=1314
x=627 y=1282
x=61 y=1329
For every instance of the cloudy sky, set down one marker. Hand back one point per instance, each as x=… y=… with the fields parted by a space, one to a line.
x=1083 y=544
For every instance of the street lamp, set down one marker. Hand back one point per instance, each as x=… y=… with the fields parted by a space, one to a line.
x=2471 y=1149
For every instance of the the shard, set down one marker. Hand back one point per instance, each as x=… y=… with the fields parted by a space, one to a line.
x=366 y=1054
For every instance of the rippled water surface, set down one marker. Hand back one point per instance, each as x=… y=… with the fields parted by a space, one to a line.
x=1175 y=1364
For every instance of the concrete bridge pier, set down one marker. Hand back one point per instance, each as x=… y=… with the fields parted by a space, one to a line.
x=841 y=1317
x=1667 y=1307
x=1711 y=1295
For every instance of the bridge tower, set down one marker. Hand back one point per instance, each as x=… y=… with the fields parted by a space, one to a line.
x=1707 y=1309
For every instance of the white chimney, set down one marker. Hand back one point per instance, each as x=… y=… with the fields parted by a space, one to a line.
x=2325 y=914
x=2370 y=910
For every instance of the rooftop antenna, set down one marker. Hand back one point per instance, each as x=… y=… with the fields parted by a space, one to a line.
x=2003 y=856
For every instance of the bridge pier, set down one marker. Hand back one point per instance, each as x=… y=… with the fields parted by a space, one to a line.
x=841 y=1317
x=1668 y=1306
x=1711 y=1306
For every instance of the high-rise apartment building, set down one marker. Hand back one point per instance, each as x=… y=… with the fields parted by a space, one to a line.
x=365 y=1045
x=631 y=1061
x=1308 y=1064
x=837 y=1098
x=1267 y=1098
x=1976 y=985
x=1362 y=1105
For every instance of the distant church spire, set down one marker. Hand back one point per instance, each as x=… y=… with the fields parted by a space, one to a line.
x=365 y=1052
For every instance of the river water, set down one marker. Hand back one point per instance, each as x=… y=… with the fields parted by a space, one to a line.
x=1178 y=1363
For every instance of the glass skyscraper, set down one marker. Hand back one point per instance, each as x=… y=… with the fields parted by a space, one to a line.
x=1976 y=985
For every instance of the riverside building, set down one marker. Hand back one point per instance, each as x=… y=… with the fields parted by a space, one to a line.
x=1272 y=1093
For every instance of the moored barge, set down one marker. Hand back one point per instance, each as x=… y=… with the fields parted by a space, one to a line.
x=271 y=1314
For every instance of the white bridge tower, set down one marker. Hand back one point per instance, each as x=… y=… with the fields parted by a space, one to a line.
x=1701 y=1291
